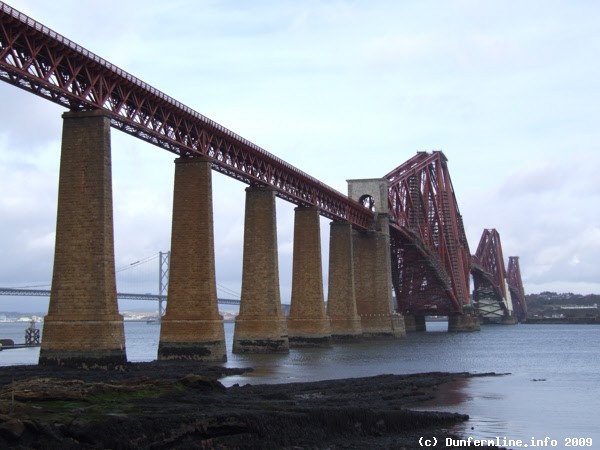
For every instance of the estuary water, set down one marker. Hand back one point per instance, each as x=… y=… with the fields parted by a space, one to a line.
x=550 y=393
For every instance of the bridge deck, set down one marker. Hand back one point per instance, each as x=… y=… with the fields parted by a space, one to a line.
x=39 y=60
x=120 y=295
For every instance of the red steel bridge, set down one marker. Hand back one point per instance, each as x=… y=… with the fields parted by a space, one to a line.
x=431 y=262
x=430 y=253
x=499 y=293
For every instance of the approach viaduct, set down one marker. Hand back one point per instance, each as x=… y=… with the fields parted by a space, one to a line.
x=402 y=230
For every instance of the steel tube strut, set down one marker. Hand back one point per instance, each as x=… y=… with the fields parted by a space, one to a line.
x=41 y=61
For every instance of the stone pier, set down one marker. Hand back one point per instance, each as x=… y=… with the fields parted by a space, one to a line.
x=308 y=324
x=509 y=320
x=462 y=323
x=372 y=263
x=341 y=300
x=192 y=327
x=260 y=326
x=373 y=281
x=414 y=323
x=83 y=327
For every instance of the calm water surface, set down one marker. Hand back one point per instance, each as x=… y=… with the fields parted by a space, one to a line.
x=553 y=386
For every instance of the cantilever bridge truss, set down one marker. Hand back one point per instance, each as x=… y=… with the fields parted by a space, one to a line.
x=489 y=277
x=430 y=254
x=515 y=285
x=498 y=292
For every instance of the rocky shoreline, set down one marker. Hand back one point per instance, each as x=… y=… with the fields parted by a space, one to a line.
x=180 y=405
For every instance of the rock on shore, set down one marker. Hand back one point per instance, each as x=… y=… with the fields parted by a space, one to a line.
x=171 y=405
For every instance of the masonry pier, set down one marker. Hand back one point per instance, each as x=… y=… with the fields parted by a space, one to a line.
x=260 y=326
x=83 y=326
x=372 y=264
x=192 y=327
x=464 y=322
x=341 y=298
x=372 y=271
x=413 y=323
x=509 y=320
x=308 y=324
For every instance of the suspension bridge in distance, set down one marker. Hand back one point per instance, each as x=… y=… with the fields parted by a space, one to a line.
x=160 y=297
x=16 y=292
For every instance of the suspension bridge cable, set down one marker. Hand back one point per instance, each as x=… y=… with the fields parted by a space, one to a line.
x=224 y=289
x=229 y=291
x=138 y=263
x=32 y=286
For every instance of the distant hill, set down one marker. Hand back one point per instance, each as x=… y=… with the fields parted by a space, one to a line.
x=550 y=303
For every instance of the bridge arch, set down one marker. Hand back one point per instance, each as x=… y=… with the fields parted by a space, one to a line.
x=370 y=192
x=368 y=202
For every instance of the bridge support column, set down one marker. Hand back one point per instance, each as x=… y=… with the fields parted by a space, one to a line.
x=373 y=281
x=192 y=327
x=509 y=320
x=83 y=327
x=260 y=326
x=341 y=302
x=462 y=323
x=308 y=324
x=414 y=323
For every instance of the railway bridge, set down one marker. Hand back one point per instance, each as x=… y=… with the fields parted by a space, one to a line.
x=498 y=292
x=402 y=231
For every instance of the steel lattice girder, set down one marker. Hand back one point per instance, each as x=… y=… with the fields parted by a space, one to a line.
x=39 y=60
x=423 y=205
x=483 y=283
x=490 y=258
x=515 y=284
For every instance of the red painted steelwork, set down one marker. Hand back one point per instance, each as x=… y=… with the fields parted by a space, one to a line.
x=487 y=266
x=430 y=253
x=515 y=285
x=41 y=61
x=489 y=256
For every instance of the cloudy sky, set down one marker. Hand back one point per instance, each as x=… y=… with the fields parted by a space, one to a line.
x=508 y=90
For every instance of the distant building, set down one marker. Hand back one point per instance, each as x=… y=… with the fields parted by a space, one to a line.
x=573 y=311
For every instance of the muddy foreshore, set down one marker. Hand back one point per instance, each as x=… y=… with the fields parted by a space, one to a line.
x=177 y=405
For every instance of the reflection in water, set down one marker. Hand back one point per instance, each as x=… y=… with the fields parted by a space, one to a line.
x=512 y=405
x=455 y=397
x=452 y=393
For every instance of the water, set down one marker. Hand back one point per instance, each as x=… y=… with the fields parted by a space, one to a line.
x=552 y=390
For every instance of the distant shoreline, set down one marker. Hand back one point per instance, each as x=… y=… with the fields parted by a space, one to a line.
x=564 y=320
